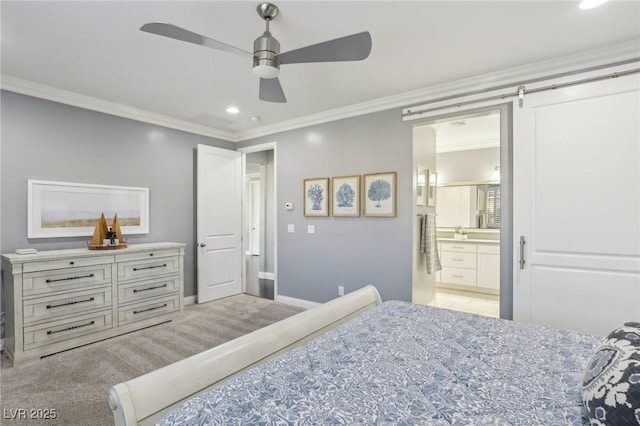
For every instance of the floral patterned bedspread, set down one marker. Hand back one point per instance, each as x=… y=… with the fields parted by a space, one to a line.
x=410 y=364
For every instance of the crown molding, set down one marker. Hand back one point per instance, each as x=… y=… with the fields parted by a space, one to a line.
x=25 y=87
x=570 y=64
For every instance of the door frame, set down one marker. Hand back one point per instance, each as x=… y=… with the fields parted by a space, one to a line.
x=506 y=189
x=255 y=199
x=268 y=146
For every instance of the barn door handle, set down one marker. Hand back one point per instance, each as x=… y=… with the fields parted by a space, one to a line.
x=521 y=261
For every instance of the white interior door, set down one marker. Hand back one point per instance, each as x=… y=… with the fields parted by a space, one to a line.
x=577 y=205
x=219 y=223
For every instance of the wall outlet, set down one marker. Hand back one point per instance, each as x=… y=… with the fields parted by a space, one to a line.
x=340 y=290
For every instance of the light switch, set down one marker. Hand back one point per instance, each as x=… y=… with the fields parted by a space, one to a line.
x=311 y=229
x=291 y=228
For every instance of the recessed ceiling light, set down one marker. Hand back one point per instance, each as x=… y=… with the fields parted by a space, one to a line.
x=233 y=110
x=590 y=4
x=255 y=118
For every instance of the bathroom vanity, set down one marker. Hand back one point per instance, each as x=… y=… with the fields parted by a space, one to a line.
x=472 y=264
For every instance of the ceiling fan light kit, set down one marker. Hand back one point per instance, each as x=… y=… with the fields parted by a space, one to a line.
x=266 y=50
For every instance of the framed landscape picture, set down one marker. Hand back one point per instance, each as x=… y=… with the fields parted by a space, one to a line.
x=345 y=200
x=379 y=194
x=316 y=197
x=64 y=209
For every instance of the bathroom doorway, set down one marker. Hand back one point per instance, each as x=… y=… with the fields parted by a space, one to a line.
x=469 y=203
x=259 y=223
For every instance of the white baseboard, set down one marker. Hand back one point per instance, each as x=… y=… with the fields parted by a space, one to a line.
x=266 y=275
x=300 y=303
x=190 y=300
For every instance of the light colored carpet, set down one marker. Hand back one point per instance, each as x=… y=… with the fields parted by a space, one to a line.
x=75 y=383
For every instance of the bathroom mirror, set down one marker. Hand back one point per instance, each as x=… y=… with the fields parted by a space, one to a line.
x=470 y=205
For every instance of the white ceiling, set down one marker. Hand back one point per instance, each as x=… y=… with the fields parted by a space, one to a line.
x=96 y=49
x=470 y=132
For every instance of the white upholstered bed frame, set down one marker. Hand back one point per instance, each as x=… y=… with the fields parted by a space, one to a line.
x=146 y=399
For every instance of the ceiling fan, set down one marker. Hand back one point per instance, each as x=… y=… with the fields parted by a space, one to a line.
x=266 y=50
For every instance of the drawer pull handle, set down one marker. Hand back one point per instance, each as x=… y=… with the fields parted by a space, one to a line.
x=70 y=278
x=458 y=276
x=71 y=328
x=135 y=290
x=150 y=309
x=458 y=260
x=71 y=303
x=150 y=267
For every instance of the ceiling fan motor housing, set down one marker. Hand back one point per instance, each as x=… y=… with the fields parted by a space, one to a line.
x=265 y=49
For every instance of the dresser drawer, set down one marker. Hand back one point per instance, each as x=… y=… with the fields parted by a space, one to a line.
x=145 y=289
x=459 y=247
x=58 y=280
x=77 y=302
x=458 y=260
x=65 y=329
x=126 y=257
x=458 y=276
x=148 y=309
x=47 y=265
x=138 y=269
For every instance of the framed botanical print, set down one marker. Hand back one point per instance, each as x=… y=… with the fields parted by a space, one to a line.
x=345 y=200
x=379 y=194
x=316 y=197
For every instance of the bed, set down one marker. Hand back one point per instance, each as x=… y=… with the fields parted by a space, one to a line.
x=355 y=360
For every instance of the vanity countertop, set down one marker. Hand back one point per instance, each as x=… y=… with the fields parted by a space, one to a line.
x=470 y=240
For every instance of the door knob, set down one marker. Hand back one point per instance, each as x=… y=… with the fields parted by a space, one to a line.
x=203 y=245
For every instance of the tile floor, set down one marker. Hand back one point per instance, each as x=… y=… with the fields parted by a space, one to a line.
x=468 y=301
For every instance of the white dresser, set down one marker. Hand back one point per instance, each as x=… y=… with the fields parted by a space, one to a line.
x=60 y=299
x=471 y=265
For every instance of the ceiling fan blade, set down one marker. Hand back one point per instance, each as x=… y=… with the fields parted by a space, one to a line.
x=271 y=90
x=175 y=32
x=355 y=47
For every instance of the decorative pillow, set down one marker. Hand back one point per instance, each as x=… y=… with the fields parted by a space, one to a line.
x=611 y=383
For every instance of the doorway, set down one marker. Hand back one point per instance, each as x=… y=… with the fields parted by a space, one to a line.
x=472 y=207
x=259 y=221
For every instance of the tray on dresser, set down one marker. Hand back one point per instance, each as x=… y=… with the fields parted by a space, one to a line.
x=111 y=247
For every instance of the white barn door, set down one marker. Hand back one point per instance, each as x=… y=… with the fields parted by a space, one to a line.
x=219 y=227
x=577 y=205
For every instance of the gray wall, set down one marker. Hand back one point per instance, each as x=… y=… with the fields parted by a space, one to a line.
x=50 y=141
x=424 y=155
x=344 y=251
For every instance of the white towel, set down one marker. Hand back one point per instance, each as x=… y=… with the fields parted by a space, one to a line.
x=428 y=244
